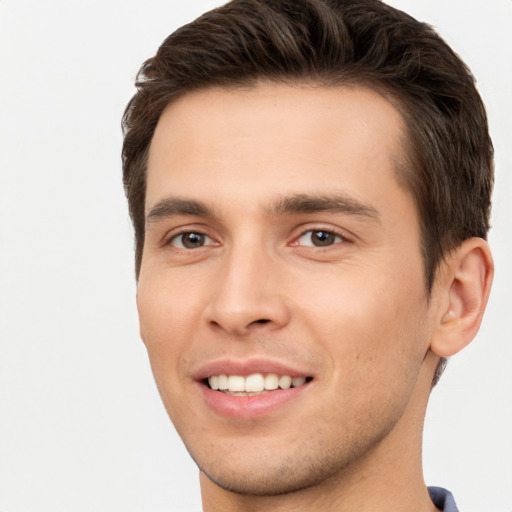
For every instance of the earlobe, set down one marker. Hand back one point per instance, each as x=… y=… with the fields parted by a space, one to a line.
x=465 y=283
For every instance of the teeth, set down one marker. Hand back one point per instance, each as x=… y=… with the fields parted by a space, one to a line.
x=298 y=381
x=285 y=382
x=223 y=382
x=236 y=383
x=255 y=383
x=271 y=381
x=214 y=381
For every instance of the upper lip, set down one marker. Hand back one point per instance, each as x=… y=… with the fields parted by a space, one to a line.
x=247 y=367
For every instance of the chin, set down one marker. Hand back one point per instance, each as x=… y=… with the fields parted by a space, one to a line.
x=265 y=482
x=265 y=475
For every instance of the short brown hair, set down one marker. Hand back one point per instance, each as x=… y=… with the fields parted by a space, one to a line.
x=449 y=168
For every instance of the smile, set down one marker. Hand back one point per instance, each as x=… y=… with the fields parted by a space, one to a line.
x=255 y=383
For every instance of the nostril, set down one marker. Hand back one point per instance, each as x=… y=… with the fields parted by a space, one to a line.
x=261 y=321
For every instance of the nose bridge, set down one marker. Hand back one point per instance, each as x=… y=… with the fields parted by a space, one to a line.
x=247 y=291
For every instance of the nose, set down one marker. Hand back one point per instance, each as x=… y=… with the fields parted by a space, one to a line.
x=247 y=294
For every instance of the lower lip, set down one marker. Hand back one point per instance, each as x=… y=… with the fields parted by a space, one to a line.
x=248 y=407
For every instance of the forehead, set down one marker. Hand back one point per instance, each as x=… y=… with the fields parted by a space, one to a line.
x=274 y=138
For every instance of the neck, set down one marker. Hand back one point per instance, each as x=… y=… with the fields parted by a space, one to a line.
x=388 y=478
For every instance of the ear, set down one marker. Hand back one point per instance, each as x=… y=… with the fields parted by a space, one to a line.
x=462 y=288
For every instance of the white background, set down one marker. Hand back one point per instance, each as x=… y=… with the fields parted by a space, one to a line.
x=81 y=426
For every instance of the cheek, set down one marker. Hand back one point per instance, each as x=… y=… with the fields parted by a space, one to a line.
x=374 y=345
x=371 y=328
x=163 y=318
x=164 y=314
x=167 y=303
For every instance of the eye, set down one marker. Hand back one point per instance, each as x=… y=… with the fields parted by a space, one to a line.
x=191 y=240
x=319 y=238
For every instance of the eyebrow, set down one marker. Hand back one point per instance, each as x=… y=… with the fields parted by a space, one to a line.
x=298 y=203
x=174 y=206
x=335 y=203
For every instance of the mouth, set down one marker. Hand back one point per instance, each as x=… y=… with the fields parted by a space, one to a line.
x=252 y=388
x=254 y=384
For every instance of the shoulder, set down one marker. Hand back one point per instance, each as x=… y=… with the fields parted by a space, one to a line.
x=443 y=499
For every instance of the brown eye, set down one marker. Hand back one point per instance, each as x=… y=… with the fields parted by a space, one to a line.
x=190 y=240
x=319 y=238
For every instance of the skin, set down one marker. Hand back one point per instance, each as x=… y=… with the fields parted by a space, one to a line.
x=353 y=314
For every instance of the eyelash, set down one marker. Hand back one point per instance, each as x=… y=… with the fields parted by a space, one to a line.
x=182 y=234
x=337 y=235
x=333 y=232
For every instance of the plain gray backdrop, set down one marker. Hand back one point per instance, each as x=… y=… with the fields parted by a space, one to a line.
x=81 y=426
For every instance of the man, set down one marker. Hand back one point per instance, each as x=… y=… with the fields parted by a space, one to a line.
x=310 y=185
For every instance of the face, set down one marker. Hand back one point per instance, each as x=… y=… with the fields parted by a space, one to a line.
x=282 y=266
